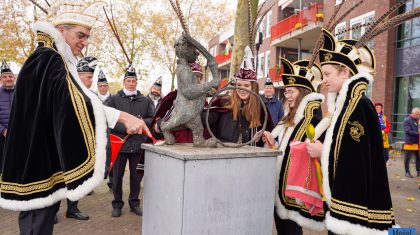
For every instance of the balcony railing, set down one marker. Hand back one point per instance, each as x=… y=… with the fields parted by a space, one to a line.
x=222 y=58
x=275 y=74
x=297 y=21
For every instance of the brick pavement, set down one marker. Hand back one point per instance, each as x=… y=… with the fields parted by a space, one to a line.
x=98 y=207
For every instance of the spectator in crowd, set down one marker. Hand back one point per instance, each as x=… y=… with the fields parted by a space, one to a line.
x=272 y=102
x=411 y=137
x=129 y=100
x=385 y=128
x=155 y=94
x=6 y=97
x=103 y=86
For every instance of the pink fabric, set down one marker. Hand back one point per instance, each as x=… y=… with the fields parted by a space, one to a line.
x=297 y=187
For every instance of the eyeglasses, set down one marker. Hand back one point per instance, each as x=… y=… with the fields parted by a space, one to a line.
x=81 y=36
x=288 y=93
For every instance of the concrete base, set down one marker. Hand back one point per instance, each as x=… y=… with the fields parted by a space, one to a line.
x=208 y=191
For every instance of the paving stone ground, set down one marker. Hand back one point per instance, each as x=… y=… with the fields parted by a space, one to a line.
x=98 y=207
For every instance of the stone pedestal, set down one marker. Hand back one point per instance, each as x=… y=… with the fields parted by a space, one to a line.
x=194 y=191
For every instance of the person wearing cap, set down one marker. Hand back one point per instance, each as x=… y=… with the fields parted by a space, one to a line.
x=272 y=102
x=6 y=98
x=355 y=180
x=56 y=140
x=103 y=86
x=385 y=128
x=130 y=100
x=303 y=107
x=155 y=94
x=85 y=69
x=103 y=95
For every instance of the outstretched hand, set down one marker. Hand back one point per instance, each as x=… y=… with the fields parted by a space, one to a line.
x=134 y=125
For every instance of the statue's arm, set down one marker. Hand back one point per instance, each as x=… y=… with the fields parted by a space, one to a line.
x=189 y=89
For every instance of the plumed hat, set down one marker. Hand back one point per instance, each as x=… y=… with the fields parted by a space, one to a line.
x=344 y=53
x=298 y=74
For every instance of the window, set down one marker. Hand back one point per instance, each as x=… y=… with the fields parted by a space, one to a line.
x=340 y=31
x=267 y=64
x=268 y=24
x=359 y=21
x=262 y=27
x=407 y=96
x=260 y=65
x=409 y=31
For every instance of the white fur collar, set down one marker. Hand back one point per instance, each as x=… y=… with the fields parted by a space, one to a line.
x=324 y=124
x=59 y=41
x=278 y=131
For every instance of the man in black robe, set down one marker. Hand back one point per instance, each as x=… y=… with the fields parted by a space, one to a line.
x=56 y=143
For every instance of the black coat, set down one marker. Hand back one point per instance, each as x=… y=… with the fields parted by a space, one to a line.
x=137 y=105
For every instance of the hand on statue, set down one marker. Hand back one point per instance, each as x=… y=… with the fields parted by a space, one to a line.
x=315 y=149
x=134 y=125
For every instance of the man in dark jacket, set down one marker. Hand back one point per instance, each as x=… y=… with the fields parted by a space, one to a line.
x=274 y=105
x=411 y=146
x=131 y=101
x=6 y=98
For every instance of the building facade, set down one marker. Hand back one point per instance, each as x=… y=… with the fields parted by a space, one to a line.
x=291 y=28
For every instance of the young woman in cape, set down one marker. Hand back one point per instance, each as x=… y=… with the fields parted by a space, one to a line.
x=355 y=182
x=303 y=107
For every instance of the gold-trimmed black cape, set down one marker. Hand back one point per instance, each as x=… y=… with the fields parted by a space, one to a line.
x=355 y=176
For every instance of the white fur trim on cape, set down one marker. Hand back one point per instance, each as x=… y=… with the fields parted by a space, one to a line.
x=339 y=103
x=344 y=227
x=282 y=212
x=100 y=135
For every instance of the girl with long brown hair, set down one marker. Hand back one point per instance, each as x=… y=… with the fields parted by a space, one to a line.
x=242 y=115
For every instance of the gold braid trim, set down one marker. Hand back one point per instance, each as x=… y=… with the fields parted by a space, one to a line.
x=362 y=212
x=82 y=114
x=308 y=113
x=79 y=105
x=356 y=95
x=45 y=39
x=40 y=186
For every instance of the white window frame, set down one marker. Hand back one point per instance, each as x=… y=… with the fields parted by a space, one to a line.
x=267 y=65
x=340 y=25
x=260 y=65
x=268 y=21
x=362 y=20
